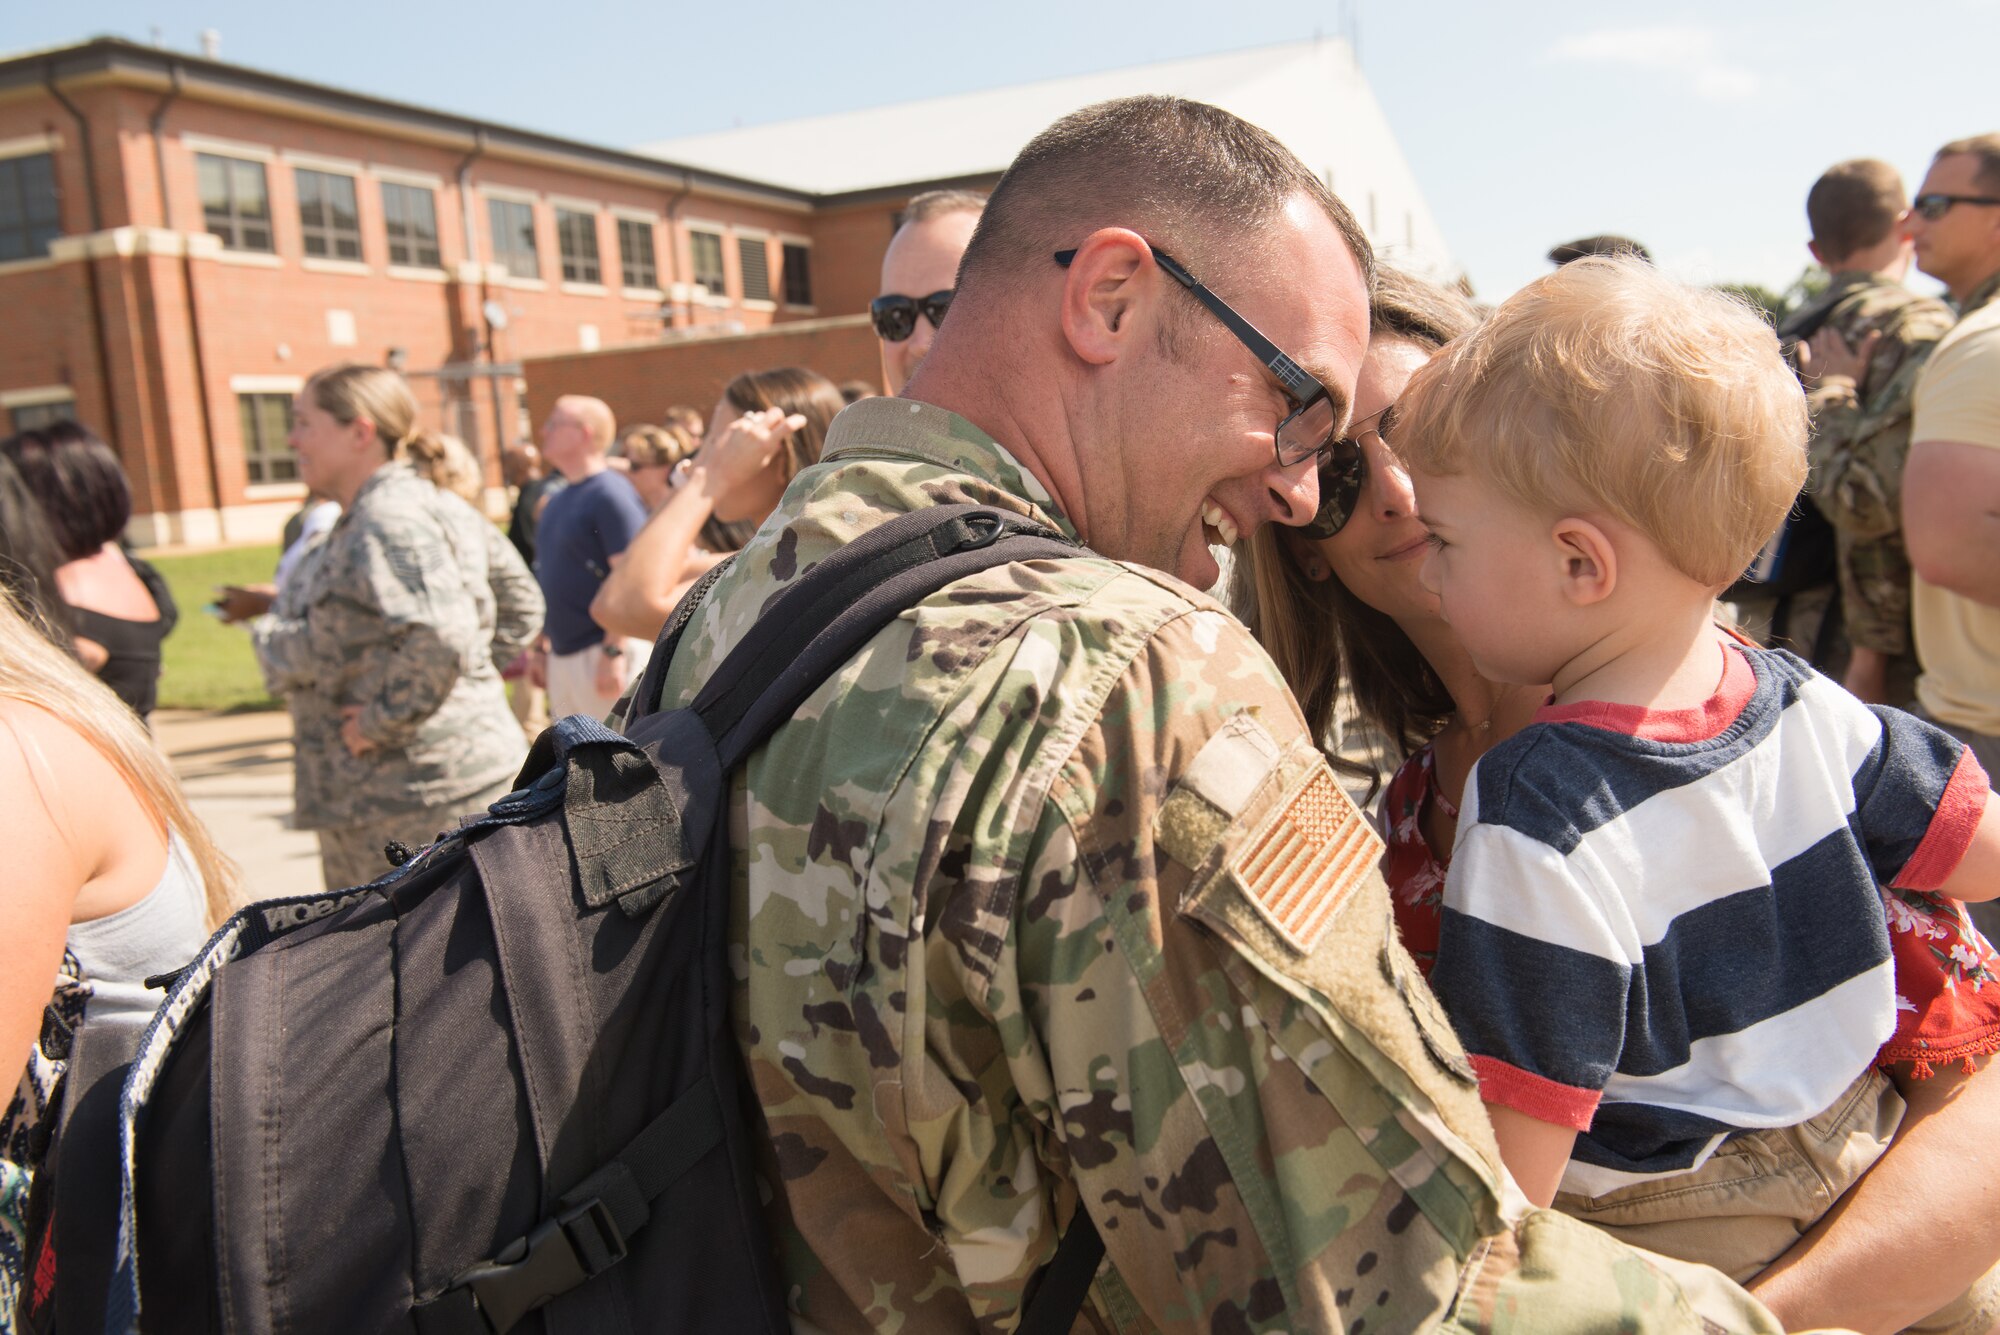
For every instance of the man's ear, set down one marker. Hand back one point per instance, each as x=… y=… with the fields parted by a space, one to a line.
x=1102 y=292
x=1589 y=562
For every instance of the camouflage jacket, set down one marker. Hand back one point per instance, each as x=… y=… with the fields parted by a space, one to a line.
x=1860 y=437
x=397 y=612
x=1046 y=902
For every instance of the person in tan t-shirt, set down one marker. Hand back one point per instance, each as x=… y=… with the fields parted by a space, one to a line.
x=1951 y=485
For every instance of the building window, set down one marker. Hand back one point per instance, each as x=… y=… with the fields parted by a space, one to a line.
x=409 y=219
x=705 y=248
x=755 y=259
x=267 y=421
x=28 y=220
x=234 y=201
x=797 y=275
x=35 y=416
x=328 y=220
x=635 y=253
x=576 y=238
x=513 y=226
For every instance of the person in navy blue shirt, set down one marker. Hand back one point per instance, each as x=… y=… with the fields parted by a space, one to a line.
x=584 y=526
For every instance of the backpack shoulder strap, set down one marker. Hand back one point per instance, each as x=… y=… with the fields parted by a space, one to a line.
x=821 y=618
x=813 y=627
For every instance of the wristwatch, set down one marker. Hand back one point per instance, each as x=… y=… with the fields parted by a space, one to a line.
x=612 y=650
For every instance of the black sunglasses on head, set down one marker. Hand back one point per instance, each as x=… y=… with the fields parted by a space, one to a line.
x=1305 y=433
x=895 y=315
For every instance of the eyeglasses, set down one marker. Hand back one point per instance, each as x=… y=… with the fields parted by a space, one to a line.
x=1343 y=472
x=1933 y=207
x=895 y=315
x=1308 y=430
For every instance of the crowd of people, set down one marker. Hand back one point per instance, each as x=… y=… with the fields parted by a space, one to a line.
x=1663 y=645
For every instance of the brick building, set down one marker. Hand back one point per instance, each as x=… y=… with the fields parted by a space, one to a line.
x=183 y=241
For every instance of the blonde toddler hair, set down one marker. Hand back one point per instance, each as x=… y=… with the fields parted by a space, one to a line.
x=1607 y=387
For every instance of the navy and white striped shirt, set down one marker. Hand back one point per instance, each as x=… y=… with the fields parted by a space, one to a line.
x=1663 y=927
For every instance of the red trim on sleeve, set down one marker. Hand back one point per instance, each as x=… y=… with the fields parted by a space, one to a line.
x=1711 y=718
x=1536 y=1095
x=1951 y=828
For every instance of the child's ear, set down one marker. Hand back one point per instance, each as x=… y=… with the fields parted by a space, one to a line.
x=1589 y=561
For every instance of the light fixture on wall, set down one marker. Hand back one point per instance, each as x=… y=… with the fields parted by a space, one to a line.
x=396 y=359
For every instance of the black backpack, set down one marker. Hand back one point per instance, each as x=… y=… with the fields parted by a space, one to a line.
x=496 y=1089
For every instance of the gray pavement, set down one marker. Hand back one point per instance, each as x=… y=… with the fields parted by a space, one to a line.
x=237 y=771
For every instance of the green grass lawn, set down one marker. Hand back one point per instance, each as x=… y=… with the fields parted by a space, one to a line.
x=209 y=665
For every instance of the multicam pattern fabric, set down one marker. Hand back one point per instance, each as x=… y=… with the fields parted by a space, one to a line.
x=1860 y=437
x=401 y=611
x=999 y=955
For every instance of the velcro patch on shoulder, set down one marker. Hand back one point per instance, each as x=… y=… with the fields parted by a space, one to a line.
x=1313 y=850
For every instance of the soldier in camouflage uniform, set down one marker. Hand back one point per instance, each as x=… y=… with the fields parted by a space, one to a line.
x=1872 y=336
x=1047 y=901
x=386 y=655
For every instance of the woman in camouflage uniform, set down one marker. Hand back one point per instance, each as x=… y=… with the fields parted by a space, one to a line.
x=386 y=656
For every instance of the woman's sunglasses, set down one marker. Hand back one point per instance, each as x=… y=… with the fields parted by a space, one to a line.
x=895 y=315
x=1343 y=473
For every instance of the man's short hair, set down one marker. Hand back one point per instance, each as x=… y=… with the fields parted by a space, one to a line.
x=1985 y=147
x=1854 y=205
x=1176 y=171
x=1610 y=244
x=937 y=203
x=1608 y=387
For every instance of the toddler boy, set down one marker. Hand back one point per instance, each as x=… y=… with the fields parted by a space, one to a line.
x=1664 y=943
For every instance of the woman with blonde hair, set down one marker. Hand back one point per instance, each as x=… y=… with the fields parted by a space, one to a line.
x=651 y=454
x=767 y=426
x=111 y=879
x=385 y=658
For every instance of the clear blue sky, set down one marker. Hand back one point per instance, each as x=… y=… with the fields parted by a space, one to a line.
x=1696 y=127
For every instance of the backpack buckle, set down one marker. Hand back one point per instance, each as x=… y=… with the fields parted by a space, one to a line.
x=558 y=1254
x=976 y=530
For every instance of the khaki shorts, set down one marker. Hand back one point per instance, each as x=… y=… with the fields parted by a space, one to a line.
x=1749 y=1203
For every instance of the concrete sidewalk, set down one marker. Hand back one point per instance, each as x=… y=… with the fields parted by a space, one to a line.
x=237 y=770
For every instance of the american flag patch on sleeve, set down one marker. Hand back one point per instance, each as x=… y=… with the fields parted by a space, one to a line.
x=1309 y=858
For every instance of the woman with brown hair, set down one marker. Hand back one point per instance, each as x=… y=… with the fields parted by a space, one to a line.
x=767 y=426
x=1339 y=600
x=118 y=606
x=385 y=657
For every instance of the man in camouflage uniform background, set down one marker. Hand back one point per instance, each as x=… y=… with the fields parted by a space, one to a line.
x=1873 y=335
x=1046 y=902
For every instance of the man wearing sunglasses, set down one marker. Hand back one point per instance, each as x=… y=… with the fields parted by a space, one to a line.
x=1057 y=924
x=1951 y=485
x=919 y=271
